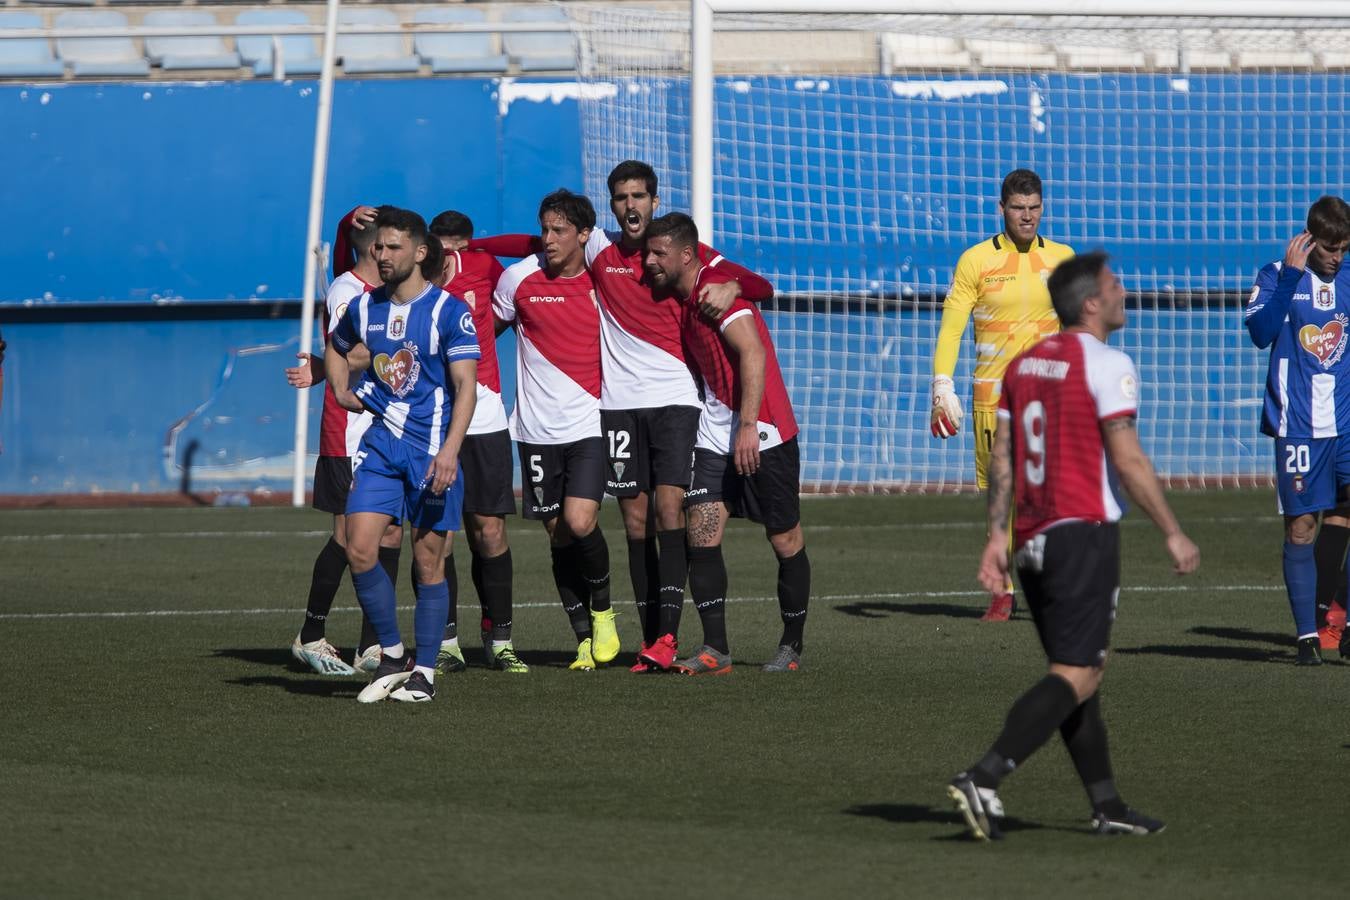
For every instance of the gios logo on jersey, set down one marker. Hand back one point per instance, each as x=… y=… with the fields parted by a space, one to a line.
x=1328 y=342
x=399 y=372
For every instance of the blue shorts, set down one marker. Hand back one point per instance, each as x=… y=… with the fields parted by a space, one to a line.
x=390 y=478
x=1309 y=473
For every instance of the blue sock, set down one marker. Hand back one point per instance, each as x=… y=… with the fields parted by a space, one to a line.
x=375 y=592
x=1300 y=578
x=433 y=605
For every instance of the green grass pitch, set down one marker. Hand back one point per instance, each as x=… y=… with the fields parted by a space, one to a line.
x=159 y=741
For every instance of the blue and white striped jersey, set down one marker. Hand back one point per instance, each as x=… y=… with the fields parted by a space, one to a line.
x=1306 y=323
x=407 y=386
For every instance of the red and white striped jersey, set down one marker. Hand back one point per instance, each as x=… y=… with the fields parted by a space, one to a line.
x=1055 y=397
x=557 y=354
x=340 y=430
x=476 y=276
x=719 y=366
x=641 y=351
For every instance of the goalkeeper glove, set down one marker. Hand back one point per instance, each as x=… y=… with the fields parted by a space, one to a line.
x=945 y=420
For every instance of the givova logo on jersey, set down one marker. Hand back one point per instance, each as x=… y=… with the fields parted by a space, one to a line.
x=399 y=372
x=1328 y=342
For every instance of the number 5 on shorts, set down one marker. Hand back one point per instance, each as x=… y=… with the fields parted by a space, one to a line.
x=536 y=470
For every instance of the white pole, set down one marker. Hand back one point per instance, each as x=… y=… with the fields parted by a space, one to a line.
x=1306 y=9
x=701 y=119
x=313 y=251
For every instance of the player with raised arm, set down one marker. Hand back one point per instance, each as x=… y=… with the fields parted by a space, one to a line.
x=489 y=498
x=550 y=300
x=746 y=461
x=1000 y=282
x=1300 y=308
x=420 y=388
x=339 y=435
x=1065 y=437
x=649 y=400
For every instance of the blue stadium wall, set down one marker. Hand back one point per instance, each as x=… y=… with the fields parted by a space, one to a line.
x=140 y=212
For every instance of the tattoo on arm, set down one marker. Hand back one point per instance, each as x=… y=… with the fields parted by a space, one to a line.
x=1000 y=479
x=1119 y=423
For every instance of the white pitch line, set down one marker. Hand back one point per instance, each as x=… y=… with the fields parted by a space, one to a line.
x=745 y=530
x=829 y=598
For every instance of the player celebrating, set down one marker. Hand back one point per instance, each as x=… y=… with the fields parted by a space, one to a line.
x=339 y=435
x=485 y=456
x=420 y=388
x=1066 y=420
x=556 y=421
x=1001 y=283
x=649 y=401
x=1301 y=310
x=746 y=462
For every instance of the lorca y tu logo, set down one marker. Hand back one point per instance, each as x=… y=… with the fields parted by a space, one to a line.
x=1328 y=342
x=399 y=371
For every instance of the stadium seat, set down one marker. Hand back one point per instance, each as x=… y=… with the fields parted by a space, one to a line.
x=1269 y=48
x=26 y=57
x=187 y=52
x=1096 y=59
x=368 y=53
x=112 y=56
x=447 y=52
x=299 y=52
x=914 y=51
x=541 y=51
x=1013 y=55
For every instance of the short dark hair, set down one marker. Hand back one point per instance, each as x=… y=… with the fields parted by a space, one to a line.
x=452 y=224
x=677 y=226
x=415 y=227
x=1020 y=181
x=575 y=208
x=1329 y=220
x=1073 y=282
x=632 y=170
x=362 y=238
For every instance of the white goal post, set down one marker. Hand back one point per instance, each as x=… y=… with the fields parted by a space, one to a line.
x=850 y=151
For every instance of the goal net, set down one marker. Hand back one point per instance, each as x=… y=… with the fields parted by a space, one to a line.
x=855 y=158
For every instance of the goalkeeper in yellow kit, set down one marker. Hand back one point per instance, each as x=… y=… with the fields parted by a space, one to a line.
x=1001 y=283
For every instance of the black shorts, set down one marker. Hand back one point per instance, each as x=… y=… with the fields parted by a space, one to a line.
x=550 y=472
x=1071 y=577
x=485 y=466
x=648 y=447
x=770 y=497
x=332 y=484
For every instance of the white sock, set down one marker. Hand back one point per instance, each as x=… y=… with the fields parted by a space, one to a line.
x=395 y=651
x=427 y=672
x=451 y=642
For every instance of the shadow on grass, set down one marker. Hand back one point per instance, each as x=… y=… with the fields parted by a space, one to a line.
x=881 y=610
x=916 y=814
x=314 y=686
x=1241 y=634
x=263 y=656
x=1209 y=651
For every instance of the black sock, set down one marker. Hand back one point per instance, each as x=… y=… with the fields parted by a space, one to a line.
x=323 y=587
x=642 y=562
x=673 y=567
x=1031 y=721
x=1084 y=735
x=593 y=556
x=389 y=562
x=708 y=586
x=452 y=615
x=794 y=592
x=496 y=587
x=571 y=589
x=1329 y=554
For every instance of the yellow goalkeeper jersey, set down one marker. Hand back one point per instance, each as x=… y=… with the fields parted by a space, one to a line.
x=1005 y=292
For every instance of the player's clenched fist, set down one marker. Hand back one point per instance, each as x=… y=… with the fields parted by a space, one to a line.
x=945 y=420
x=1185 y=555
